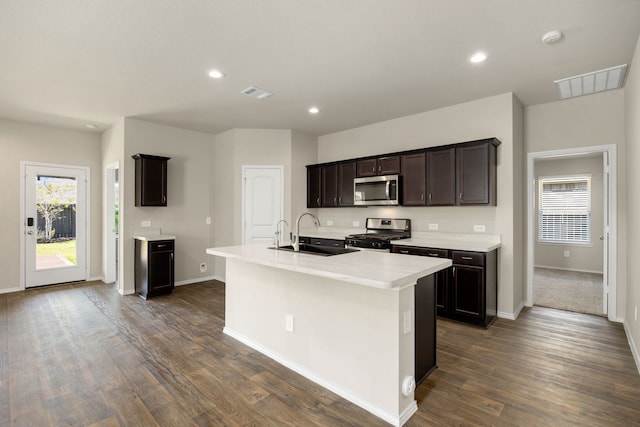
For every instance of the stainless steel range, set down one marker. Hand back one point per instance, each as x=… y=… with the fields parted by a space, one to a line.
x=380 y=233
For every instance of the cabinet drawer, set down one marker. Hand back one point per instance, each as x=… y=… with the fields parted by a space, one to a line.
x=161 y=245
x=468 y=258
x=417 y=250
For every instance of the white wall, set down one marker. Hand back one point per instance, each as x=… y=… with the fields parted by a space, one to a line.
x=632 y=127
x=586 y=121
x=188 y=193
x=238 y=147
x=499 y=116
x=582 y=257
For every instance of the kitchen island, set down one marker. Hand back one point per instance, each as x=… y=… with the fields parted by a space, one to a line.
x=345 y=321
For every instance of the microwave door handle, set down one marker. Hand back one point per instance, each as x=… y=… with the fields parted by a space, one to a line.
x=386 y=189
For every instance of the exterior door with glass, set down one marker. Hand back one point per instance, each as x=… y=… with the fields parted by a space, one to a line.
x=55 y=224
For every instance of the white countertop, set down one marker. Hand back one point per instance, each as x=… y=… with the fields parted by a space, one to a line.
x=154 y=237
x=455 y=241
x=368 y=268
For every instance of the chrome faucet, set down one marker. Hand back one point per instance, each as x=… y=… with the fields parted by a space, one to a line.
x=295 y=241
x=278 y=232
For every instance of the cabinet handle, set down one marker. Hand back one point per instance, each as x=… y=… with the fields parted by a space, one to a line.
x=435 y=255
x=429 y=196
x=335 y=201
x=422 y=196
x=404 y=252
x=454 y=272
x=164 y=199
x=460 y=196
x=374 y=169
x=161 y=246
x=318 y=201
x=339 y=199
x=468 y=258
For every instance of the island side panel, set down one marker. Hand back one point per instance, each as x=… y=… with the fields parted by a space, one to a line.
x=349 y=338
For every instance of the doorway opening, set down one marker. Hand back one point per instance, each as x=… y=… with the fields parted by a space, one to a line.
x=571 y=230
x=112 y=223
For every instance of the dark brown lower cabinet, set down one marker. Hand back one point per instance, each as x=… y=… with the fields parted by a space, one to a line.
x=425 y=328
x=154 y=267
x=468 y=291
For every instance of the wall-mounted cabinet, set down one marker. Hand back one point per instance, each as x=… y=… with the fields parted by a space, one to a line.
x=450 y=175
x=151 y=180
x=385 y=165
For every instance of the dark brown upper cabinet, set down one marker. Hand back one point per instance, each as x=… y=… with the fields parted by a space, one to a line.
x=330 y=185
x=413 y=179
x=441 y=177
x=386 y=165
x=151 y=180
x=346 y=175
x=314 y=186
x=476 y=174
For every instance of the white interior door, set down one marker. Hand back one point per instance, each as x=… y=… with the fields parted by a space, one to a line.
x=605 y=233
x=262 y=202
x=55 y=224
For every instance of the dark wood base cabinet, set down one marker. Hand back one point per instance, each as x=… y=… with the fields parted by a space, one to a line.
x=154 y=267
x=468 y=291
x=425 y=328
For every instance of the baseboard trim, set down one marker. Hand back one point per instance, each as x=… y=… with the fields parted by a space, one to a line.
x=634 y=349
x=396 y=421
x=10 y=290
x=511 y=316
x=197 y=280
x=577 y=270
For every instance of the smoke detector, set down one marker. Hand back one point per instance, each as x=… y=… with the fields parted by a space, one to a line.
x=256 y=92
x=552 y=37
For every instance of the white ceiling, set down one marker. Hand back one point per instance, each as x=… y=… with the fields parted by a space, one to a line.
x=72 y=62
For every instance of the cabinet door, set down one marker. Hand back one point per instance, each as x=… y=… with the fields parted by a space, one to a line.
x=160 y=271
x=413 y=180
x=474 y=174
x=314 y=180
x=389 y=165
x=366 y=167
x=330 y=185
x=468 y=291
x=441 y=177
x=151 y=181
x=346 y=174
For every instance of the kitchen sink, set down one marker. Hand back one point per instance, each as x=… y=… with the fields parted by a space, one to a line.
x=317 y=250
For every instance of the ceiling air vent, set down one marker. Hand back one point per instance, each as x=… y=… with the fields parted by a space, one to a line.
x=256 y=92
x=597 y=81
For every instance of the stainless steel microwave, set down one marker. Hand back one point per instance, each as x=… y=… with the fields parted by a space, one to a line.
x=377 y=191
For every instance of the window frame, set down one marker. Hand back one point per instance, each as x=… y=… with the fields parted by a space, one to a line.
x=567 y=178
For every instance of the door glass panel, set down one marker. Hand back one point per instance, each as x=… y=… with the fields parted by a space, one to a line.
x=56 y=199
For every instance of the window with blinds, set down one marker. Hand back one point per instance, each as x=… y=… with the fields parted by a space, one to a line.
x=564 y=205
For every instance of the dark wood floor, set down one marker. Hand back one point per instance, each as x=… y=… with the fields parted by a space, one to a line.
x=83 y=355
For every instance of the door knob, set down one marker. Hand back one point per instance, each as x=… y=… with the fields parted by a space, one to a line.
x=601 y=237
x=30 y=232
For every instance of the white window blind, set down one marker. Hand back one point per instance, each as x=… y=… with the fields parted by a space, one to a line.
x=564 y=205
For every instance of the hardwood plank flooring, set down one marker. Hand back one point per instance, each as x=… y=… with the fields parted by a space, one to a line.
x=81 y=354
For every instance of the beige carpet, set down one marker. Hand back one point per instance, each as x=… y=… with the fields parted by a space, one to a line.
x=568 y=290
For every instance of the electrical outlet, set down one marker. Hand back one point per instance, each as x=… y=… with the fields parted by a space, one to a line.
x=208 y=220
x=479 y=228
x=329 y=222
x=567 y=254
x=356 y=223
x=433 y=227
x=289 y=323
x=407 y=321
x=203 y=267
x=146 y=223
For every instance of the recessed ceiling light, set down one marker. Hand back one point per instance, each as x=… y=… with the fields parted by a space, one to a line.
x=91 y=126
x=478 y=57
x=216 y=74
x=314 y=110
